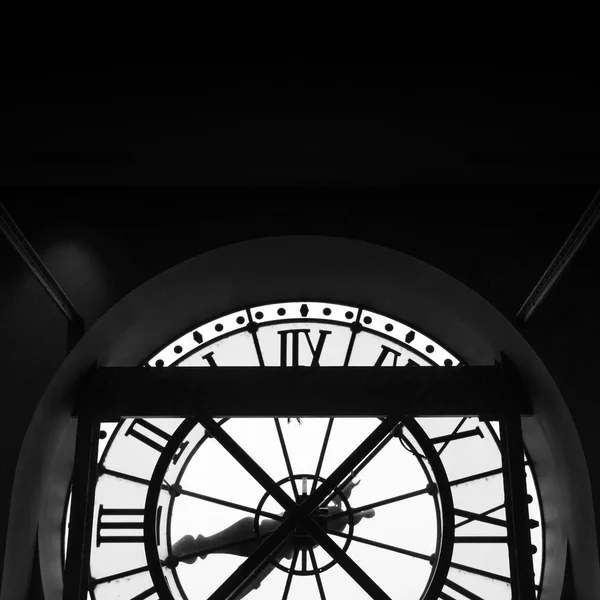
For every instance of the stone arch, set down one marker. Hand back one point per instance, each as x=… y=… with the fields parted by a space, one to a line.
x=286 y=268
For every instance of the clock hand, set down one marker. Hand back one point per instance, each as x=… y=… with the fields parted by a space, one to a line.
x=265 y=570
x=240 y=538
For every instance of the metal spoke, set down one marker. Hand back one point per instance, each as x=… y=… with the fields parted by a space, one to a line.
x=464 y=591
x=129 y=573
x=322 y=455
x=216 y=548
x=350 y=463
x=344 y=561
x=104 y=471
x=362 y=465
x=262 y=513
x=358 y=509
x=483 y=517
x=481 y=572
x=420 y=556
x=286 y=456
x=304 y=559
x=317 y=575
x=445 y=596
x=183 y=492
x=381 y=545
x=248 y=463
x=288 y=582
x=476 y=477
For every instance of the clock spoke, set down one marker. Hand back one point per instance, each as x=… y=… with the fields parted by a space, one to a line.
x=189 y=493
x=246 y=571
x=425 y=557
x=102 y=470
x=481 y=572
x=475 y=477
x=288 y=581
x=206 y=498
x=317 y=575
x=362 y=465
x=119 y=575
x=381 y=545
x=322 y=454
x=286 y=457
x=252 y=328
x=355 y=328
x=461 y=590
x=366 y=507
x=344 y=561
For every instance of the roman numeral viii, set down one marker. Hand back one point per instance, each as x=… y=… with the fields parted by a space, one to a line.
x=295 y=335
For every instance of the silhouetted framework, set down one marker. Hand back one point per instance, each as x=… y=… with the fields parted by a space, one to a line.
x=393 y=395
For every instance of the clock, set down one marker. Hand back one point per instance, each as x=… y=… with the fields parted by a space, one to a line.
x=182 y=504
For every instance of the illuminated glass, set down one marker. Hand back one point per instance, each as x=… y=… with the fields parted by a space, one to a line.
x=396 y=545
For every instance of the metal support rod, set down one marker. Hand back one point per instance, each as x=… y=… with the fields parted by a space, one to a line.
x=515 y=493
x=76 y=577
x=576 y=238
x=37 y=267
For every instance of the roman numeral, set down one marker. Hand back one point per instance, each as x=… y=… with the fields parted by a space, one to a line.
x=482 y=517
x=456 y=435
x=295 y=334
x=106 y=522
x=385 y=350
x=210 y=359
x=140 y=428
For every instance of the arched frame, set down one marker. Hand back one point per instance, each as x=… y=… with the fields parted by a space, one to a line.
x=314 y=268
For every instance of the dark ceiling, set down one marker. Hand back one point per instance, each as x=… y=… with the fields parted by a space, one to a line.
x=299 y=123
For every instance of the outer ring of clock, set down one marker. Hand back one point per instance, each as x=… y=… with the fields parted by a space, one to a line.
x=440 y=559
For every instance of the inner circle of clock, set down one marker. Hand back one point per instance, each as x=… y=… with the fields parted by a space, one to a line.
x=218 y=515
x=325 y=517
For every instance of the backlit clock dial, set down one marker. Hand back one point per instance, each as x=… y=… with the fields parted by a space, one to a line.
x=173 y=504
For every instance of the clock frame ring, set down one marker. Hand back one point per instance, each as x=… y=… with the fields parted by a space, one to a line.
x=444 y=504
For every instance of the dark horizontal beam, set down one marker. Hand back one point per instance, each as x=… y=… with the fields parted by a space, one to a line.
x=114 y=392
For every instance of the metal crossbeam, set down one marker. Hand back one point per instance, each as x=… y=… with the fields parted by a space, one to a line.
x=115 y=392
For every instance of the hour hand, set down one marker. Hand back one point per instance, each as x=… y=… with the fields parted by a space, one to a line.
x=186 y=549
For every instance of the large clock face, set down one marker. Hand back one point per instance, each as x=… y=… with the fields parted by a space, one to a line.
x=176 y=513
